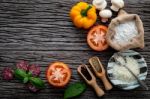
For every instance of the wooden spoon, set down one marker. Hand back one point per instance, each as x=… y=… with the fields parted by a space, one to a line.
x=100 y=71
x=90 y=79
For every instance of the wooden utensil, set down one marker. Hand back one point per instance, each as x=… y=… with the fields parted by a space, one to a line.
x=100 y=71
x=90 y=79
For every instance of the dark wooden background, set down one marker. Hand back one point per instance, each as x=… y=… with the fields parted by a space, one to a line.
x=40 y=31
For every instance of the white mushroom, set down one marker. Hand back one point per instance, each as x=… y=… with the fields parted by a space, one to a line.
x=117 y=4
x=105 y=15
x=99 y=4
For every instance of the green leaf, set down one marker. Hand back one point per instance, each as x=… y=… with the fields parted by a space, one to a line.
x=20 y=74
x=29 y=74
x=25 y=80
x=75 y=89
x=37 y=82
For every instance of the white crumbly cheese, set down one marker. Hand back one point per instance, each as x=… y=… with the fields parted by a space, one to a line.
x=122 y=74
x=125 y=32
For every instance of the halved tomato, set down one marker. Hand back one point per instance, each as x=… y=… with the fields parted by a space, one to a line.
x=58 y=74
x=96 y=38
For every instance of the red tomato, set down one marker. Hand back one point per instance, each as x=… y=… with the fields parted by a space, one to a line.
x=58 y=74
x=96 y=38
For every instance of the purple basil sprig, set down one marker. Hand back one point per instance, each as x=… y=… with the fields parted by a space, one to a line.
x=22 y=65
x=32 y=88
x=7 y=73
x=34 y=70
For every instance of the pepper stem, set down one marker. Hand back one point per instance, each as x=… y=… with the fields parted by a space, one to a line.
x=84 y=12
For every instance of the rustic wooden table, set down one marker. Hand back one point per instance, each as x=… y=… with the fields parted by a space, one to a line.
x=40 y=31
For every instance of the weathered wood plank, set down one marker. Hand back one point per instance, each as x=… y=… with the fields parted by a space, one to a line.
x=44 y=22
x=9 y=58
x=40 y=31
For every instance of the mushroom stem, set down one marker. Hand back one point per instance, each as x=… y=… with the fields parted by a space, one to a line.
x=104 y=20
x=114 y=8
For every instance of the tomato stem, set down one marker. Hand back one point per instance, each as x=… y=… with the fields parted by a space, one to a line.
x=84 y=12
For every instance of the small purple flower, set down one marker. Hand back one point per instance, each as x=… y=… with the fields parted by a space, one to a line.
x=35 y=70
x=23 y=65
x=32 y=88
x=7 y=73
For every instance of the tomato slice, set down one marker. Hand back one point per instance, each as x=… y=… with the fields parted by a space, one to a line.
x=58 y=74
x=96 y=38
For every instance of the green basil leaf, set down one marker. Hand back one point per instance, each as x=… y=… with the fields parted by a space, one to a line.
x=74 y=90
x=29 y=74
x=20 y=74
x=25 y=80
x=37 y=82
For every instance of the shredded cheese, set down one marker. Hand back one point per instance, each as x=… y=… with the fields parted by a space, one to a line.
x=122 y=74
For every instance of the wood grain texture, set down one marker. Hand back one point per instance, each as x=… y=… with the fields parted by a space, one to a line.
x=40 y=31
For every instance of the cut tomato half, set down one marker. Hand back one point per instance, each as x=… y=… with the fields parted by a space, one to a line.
x=96 y=38
x=58 y=74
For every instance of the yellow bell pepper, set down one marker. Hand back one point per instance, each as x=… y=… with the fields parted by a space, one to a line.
x=83 y=15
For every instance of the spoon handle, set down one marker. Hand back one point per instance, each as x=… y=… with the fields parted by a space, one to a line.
x=99 y=70
x=106 y=83
x=97 y=89
x=139 y=81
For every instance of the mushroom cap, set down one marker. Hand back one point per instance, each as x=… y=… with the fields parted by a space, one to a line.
x=99 y=4
x=118 y=3
x=106 y=13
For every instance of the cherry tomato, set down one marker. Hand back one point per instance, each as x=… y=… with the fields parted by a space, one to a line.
x=96 y=38
x=58 y=74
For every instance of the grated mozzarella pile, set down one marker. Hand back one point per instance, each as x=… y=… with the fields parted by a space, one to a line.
x=121 y=73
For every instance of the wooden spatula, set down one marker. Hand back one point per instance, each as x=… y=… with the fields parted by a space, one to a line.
x=90 y=79
x=100 y=71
